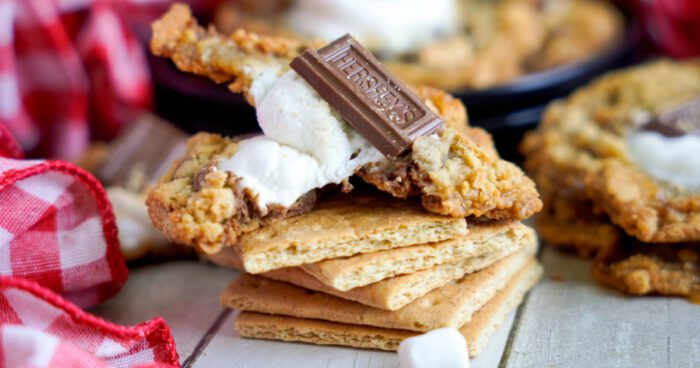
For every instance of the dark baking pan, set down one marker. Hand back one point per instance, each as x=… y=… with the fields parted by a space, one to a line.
x=507 y=111
x=196 y=104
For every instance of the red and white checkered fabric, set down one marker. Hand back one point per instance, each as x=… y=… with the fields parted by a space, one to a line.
x=57 y=235
x=67 y=75
x=40 y=329
x=57 y=228
x=8 y=145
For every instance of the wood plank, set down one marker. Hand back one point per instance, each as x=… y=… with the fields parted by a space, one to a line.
x=184 y=293
x=573 y=322
x=228 y=349
x=492 y=353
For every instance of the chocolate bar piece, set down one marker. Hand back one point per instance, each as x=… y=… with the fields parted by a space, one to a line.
x=682 y=120
x=370 y=99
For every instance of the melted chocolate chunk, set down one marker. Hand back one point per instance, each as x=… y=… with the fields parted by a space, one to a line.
x=676 y=122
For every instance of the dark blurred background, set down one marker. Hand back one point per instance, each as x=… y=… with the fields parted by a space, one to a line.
x=653 y=29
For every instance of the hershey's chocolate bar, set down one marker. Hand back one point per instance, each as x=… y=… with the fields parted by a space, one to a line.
x=366 y=95
x=681 y=120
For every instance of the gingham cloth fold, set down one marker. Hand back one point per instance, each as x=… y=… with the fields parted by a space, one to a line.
x=70 y=70
x=57 y=228
x=40 y=329
x=58 y=236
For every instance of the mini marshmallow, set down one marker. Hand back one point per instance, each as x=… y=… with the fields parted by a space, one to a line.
x=441 y=348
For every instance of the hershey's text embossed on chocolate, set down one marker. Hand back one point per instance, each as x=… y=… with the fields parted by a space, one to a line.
x=370 y=99
x=381 y=92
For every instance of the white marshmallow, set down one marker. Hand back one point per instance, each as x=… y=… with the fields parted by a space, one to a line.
x=389 y=26
x=441 y=348
x=306 y=145
x=675 y=160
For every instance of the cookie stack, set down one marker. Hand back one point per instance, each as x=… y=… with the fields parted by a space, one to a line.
x=617 y=166
x=367 y=270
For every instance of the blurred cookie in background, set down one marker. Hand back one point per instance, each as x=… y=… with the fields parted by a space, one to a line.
x=128 y=167
x=451 y=44
x=616 y=164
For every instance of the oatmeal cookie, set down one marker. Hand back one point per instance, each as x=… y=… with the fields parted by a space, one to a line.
x=601 y=200
x=640 y=269
x=575 y=31
x=196 y=205
x=235 y=59
x=456 y=172
x=580 y=152
x=498 y=40
x=573 y=225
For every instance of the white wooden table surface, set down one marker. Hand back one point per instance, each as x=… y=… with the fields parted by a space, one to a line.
x=566 y=321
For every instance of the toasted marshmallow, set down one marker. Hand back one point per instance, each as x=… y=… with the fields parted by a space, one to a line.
x=384 y=26
x=668 y=159
x=306 y=145
x=441 y=348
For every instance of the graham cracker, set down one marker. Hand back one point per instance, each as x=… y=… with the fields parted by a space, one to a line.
x=477 y=331
x=342 y=227
x=364 y=269
x=227 y=257
x=449 y=306
x=396 y=292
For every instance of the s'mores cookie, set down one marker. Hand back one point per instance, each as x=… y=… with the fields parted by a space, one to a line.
x=592 y=141
x=639 y=269
x=452 y=44
x=617 y=165
x=222 y=188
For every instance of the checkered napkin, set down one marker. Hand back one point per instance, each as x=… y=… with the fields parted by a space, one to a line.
x=58 y=236
x=40 y=329
x=64 y=63
x=57 y=229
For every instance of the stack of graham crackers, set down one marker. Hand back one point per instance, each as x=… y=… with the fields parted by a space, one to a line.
x=367 y=271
